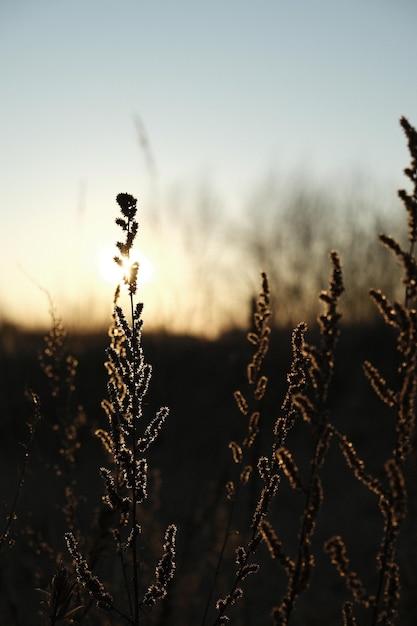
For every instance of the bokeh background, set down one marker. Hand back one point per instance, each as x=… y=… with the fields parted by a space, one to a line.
x=256 y=136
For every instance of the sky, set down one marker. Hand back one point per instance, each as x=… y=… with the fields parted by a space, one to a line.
x=160 y=99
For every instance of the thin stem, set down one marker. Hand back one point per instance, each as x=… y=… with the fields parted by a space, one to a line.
x=134 y=438
x=303 y=535
x=221 y=555
x=407 y=291
x=11 y=516
x=125 y=579
x=381 y=580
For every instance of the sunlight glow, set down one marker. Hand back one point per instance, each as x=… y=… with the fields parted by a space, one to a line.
x=111 y=273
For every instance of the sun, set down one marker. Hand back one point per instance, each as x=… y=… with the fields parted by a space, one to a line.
x=112 y=273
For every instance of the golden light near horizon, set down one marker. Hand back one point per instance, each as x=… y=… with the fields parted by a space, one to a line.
x=111 y=273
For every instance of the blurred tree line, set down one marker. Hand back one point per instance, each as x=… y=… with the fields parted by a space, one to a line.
x=286 y=227
x=209 y=252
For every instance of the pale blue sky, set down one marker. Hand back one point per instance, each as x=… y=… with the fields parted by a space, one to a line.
x=227 y=91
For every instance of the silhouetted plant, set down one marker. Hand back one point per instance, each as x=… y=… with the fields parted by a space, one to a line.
x=6 y=538
x=127 y=441
x=60 y=603
x=243 y=452
x=312 y=404
x=67 y=419
x=392 y=495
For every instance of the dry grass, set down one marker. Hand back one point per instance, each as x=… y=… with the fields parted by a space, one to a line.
x=264 y=503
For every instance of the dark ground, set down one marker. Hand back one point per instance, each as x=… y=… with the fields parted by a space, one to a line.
x=191 y=464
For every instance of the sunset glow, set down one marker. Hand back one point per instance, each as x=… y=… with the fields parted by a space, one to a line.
x=111 y=273
x=140 y=101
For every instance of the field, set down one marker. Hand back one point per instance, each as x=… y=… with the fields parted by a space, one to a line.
x=279 y=488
